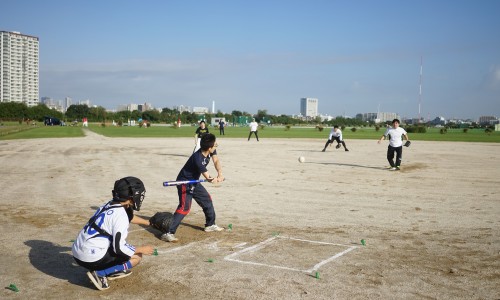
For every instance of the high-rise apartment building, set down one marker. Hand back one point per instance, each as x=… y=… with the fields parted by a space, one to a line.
x=19 y=66
x=309 y=107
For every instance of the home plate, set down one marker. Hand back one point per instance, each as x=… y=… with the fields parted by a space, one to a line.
x=290 y=254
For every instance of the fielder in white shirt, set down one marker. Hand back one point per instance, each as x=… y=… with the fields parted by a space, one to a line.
x=101 y=246
x=335 y=134
x=395 y=135
x=253 y=129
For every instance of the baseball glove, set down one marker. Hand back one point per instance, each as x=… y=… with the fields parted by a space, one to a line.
x=338 y=146
x=161 y=221
x=407 y=144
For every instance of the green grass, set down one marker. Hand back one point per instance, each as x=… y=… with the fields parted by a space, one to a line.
x=432 y=134
x=40 y=132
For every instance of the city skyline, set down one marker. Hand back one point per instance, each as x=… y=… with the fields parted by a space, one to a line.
x=353 y=57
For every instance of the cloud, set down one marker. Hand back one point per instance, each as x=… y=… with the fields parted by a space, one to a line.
x=493 y=77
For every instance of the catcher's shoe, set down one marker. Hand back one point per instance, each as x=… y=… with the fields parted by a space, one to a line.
x=169 y=237
x=119 y=274
x=100 y=282
x=213 y=228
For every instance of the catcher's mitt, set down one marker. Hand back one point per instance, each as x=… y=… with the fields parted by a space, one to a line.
x=407 y=144
x=161 y=221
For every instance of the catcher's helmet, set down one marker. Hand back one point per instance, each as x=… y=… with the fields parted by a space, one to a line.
x=129 y=188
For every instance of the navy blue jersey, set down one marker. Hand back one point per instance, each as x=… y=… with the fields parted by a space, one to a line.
x=195 y=165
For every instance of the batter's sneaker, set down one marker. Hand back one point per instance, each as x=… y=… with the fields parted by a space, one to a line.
x=119 y=274
x=169 y=237
x=213 y=228
x=100 y=282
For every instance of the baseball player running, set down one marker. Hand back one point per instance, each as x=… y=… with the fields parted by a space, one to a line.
x=395 y=134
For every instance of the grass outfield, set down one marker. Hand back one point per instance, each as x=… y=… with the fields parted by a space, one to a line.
x=31 y=132
x=432 y=134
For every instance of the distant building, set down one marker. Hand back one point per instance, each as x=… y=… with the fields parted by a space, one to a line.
x=487 y=120
x=182 y=108
x=84 y=102
x=439 y=121
x=309 y=107
x=144 y=107
x=19 y=68
x=67 y=103
x=200 y=110
x=378 y=117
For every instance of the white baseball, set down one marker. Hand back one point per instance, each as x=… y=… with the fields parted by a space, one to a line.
x=302 y=159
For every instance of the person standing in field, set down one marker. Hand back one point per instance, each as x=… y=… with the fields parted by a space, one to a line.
x=395 y=135
x=193 y=169
x=221 y=126
x=253 y=129
x=335 y=134
x=200 y=131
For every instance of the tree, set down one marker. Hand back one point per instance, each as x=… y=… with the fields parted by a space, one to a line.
x=237 y=113
x=77 y=112
x=13 y=110
x=41 y=110
x=97 y=114
x=151 y=115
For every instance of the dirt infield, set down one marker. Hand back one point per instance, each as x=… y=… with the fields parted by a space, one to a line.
x=431 y=230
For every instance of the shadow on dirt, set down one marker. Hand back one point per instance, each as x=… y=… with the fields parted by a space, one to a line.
x=57 y=261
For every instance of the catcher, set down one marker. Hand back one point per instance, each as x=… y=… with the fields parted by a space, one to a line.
x=101 y=246
x=395 y=134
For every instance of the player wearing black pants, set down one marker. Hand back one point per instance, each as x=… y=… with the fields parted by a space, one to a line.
x=399 y=155
x=335 y=134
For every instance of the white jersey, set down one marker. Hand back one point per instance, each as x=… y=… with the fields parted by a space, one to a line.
x=253 y=126
x=395 y=136
x=334 y=133
x=90 y=245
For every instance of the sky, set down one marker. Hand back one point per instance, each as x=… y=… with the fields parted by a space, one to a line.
x=429 y=58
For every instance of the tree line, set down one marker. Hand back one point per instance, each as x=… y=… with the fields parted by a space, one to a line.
x=14 y=111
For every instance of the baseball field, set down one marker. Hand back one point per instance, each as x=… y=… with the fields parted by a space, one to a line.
x=337 y=226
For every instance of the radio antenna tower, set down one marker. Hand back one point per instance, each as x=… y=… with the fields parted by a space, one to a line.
x=420 y=92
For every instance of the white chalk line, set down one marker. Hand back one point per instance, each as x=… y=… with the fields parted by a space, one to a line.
x=262 y=244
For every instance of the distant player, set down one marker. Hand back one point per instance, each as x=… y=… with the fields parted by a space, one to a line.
x=253 y=129
x=192 y=170
x=101 y=246
x=335 y=134
x=200 y=131
x=395 y=134
x=222 y=124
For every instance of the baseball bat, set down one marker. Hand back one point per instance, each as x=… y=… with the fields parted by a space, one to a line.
x=172 y=183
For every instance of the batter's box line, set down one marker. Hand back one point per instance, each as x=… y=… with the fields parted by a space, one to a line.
x=256 y=247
